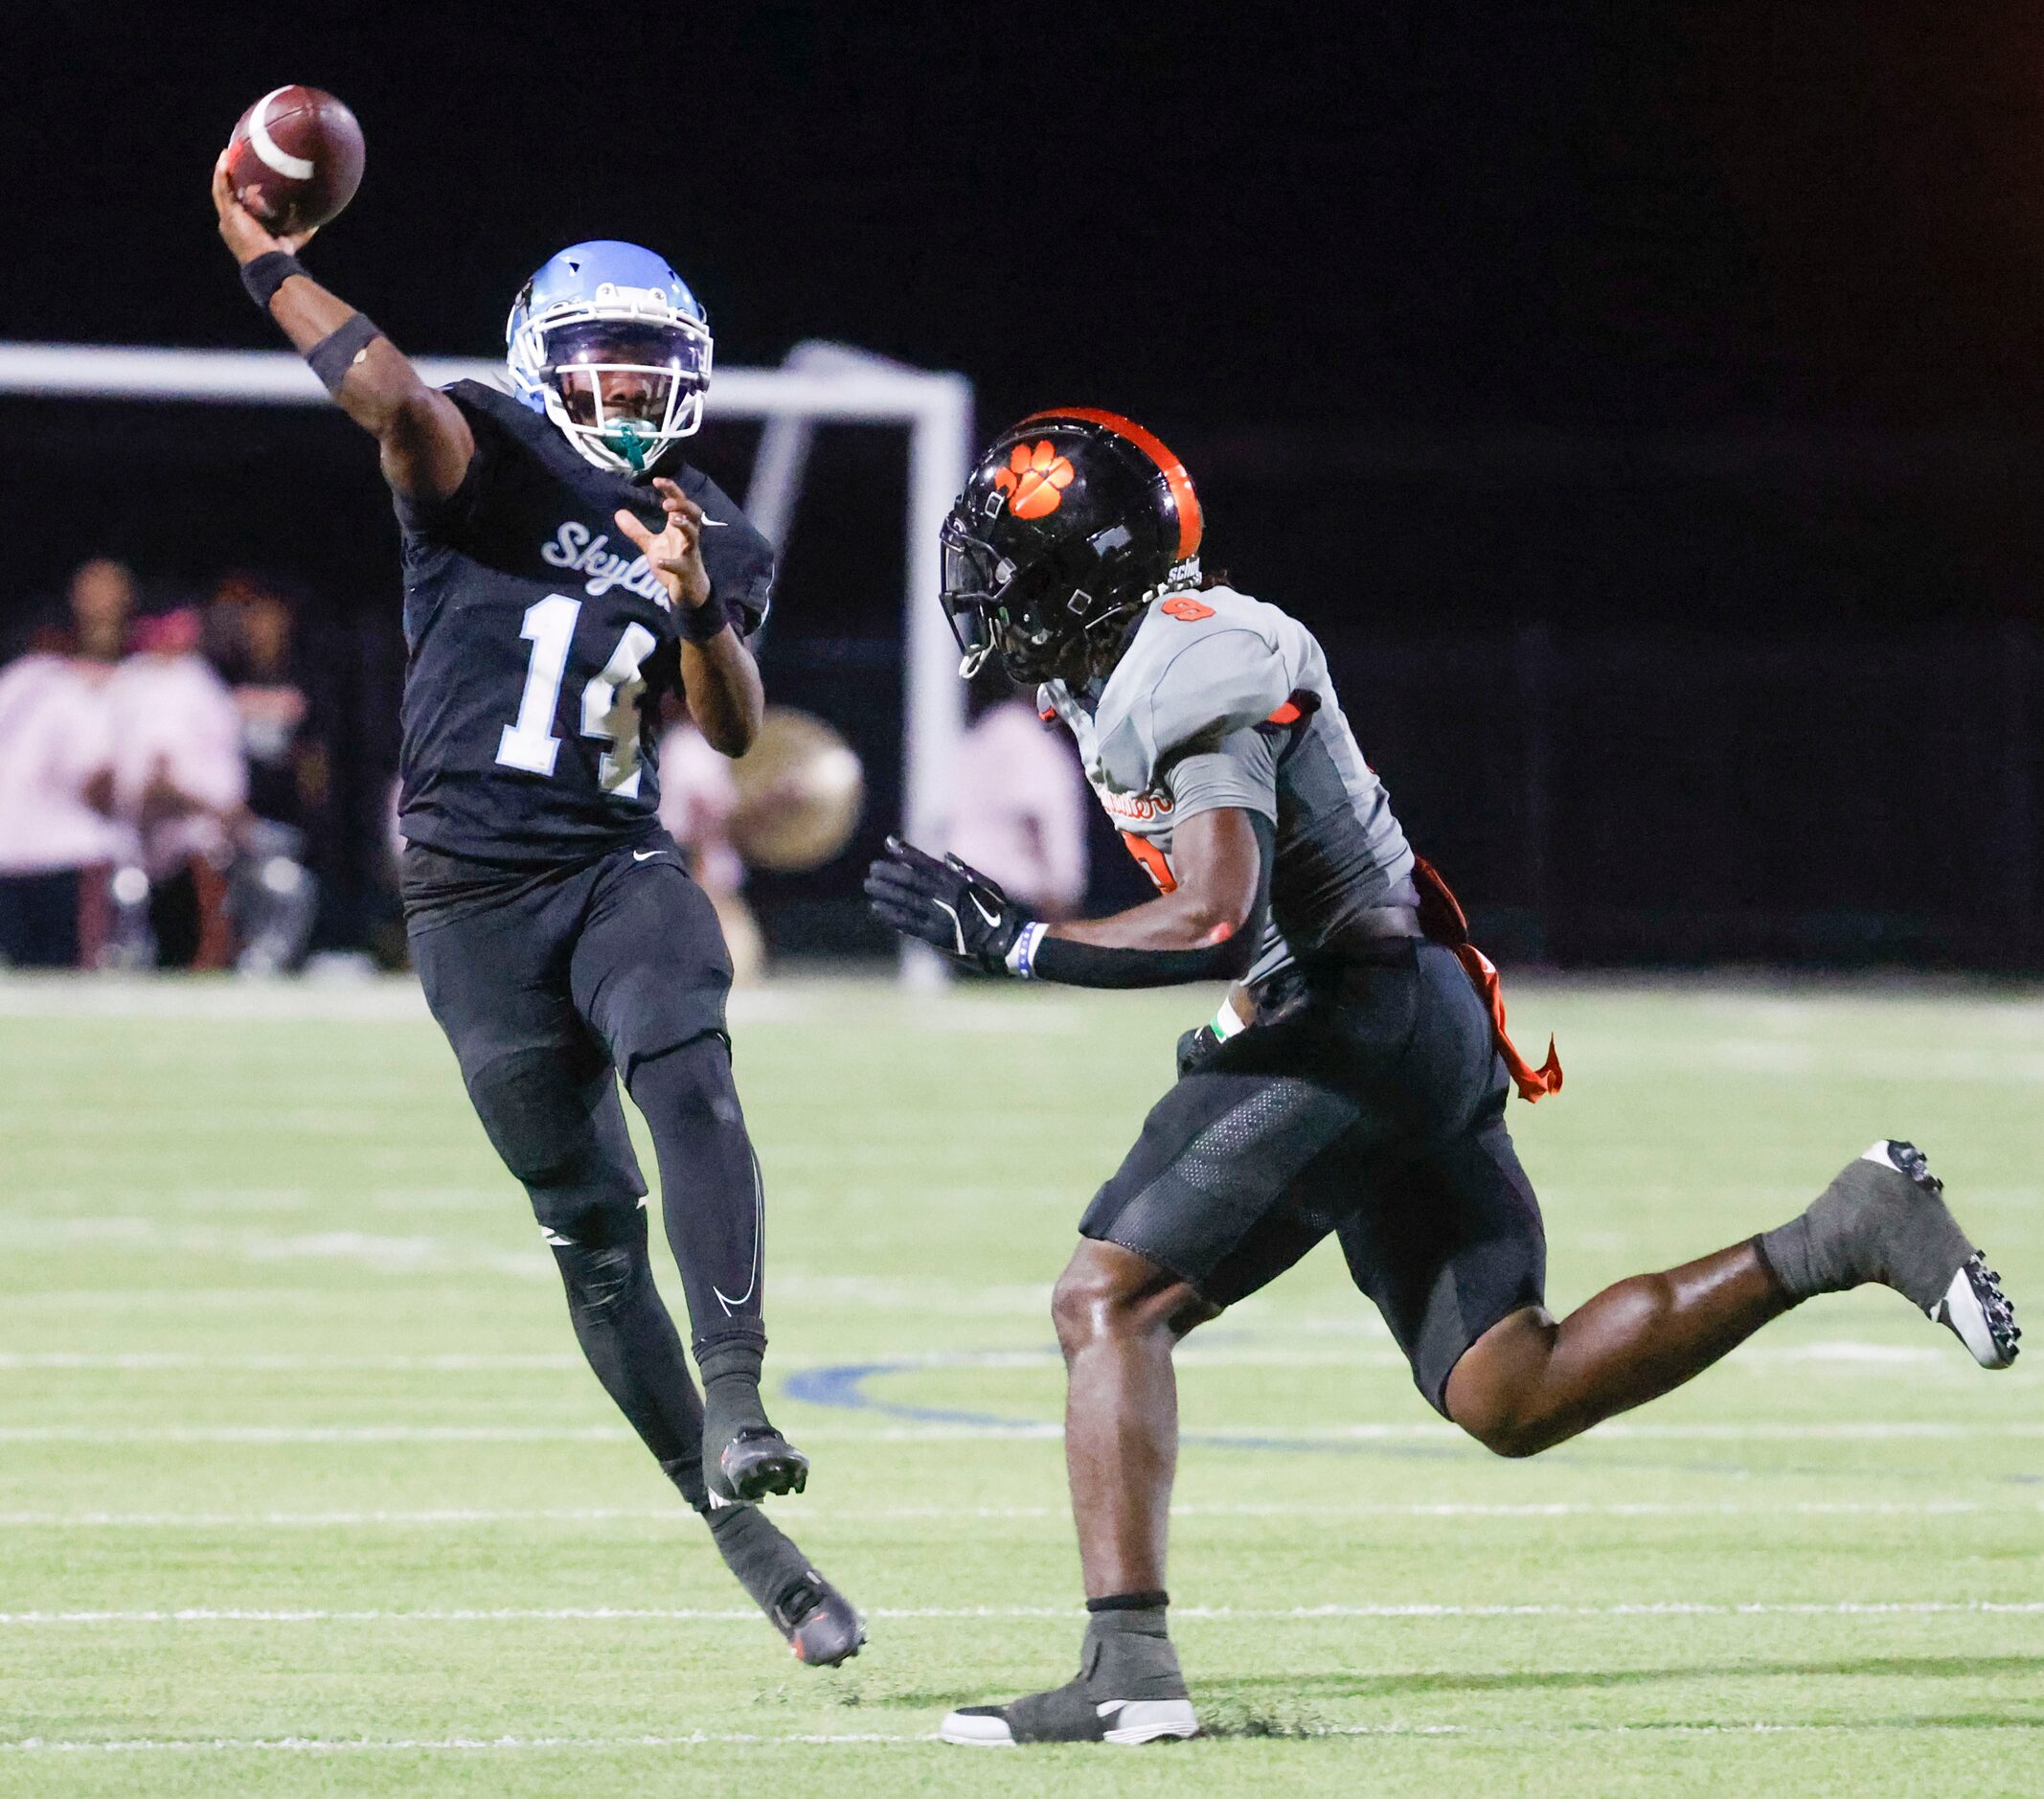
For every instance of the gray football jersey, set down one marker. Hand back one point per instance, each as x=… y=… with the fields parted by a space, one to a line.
x=1221 y=700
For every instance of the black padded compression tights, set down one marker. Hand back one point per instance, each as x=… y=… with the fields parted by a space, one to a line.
x=709 y=1192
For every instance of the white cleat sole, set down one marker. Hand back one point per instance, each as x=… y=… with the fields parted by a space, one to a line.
x=1977 y=1311
x=1153 y=1721
x=976 y=1731
x=1136 y=1721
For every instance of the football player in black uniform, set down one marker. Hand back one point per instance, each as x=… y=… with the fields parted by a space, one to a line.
x=563 y=568
x=1354 y=1084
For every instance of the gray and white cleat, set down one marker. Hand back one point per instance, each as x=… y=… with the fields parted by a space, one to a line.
x=1979 y=1315
x=1065 y=1714
x=1968 y=1300
x=1884 y=1219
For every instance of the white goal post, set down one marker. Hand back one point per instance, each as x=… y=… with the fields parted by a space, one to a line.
x=819 y=384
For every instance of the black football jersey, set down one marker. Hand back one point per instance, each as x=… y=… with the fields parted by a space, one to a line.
x=539 y=643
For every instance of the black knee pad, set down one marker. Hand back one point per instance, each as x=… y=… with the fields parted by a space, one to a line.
x=564 y=1138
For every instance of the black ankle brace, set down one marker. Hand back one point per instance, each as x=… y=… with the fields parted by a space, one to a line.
x=1130 y=1601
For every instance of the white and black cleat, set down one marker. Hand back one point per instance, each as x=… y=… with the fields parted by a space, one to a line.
x=1982 y=1317
x=1126 y=1722
x=1971 y=1303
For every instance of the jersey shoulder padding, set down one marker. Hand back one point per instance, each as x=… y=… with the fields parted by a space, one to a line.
x=1201 y=665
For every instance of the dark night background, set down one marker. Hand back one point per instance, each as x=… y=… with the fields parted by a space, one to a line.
x=1645 y=403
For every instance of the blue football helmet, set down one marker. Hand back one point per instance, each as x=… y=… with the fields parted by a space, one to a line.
x=609 y=343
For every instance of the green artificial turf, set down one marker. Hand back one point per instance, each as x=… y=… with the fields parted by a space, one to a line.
x=280 y=1349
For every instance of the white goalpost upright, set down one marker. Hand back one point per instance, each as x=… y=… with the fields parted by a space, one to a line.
x=819 y=384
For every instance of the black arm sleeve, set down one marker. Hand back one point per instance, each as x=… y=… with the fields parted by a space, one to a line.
x=1089 y=964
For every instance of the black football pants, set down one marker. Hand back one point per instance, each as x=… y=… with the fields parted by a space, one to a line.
x=549 y=986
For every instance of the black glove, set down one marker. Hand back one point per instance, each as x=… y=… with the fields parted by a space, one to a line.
x=946 y=903
x=1196 y=1048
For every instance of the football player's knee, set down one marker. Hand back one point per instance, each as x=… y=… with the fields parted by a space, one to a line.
x=1499 y=1409
x=543 y=1129
x=1505 y=1433
x=692 y=1084
x=1095 y=1298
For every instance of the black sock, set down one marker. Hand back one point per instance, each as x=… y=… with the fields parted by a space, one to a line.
x=766 y=1562
x=729 y=1368
x=710 y=1194
x=631 y=1339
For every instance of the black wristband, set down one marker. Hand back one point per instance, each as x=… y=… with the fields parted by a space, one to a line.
x=701 y=624
x=267 y=273
x=340 y=350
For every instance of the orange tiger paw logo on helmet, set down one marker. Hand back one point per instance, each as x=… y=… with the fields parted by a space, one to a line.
x=1034 y=479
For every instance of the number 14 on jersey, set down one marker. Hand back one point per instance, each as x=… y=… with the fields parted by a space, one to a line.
x=610 y=701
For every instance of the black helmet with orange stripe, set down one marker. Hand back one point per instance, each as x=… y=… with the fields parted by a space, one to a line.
x=1070 y=522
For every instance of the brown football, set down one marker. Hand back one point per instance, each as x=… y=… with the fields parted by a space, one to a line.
x=295 y=159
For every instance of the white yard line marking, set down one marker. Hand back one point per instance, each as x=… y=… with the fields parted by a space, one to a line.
x=1844 y=1357
x=399 y=1745
x=458 y=1517
x=402 y=1745
x=1214 y=1614
x=396 y=998
x=152 y=1362
x=1197 y=1437
x=126 y=1234
x=332 y=1433
x=146 y=1361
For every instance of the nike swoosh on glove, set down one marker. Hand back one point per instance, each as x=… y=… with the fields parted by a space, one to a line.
x=947 y=903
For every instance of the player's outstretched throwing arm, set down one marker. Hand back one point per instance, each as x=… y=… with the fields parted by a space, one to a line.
x=424 y=441
x=427 y=446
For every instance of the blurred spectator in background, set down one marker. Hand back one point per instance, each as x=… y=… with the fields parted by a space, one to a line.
x=57 y=839
x=272 y=894
x=100 y=599
x=1017 y=807
x=249 y=639
x=181 y=785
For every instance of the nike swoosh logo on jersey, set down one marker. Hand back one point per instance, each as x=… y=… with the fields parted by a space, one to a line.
x=646 y=856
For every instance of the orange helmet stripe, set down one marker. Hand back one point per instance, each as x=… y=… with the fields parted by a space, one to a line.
x=1191 y=525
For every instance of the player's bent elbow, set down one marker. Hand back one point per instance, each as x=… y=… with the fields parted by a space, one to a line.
x=408 y=421
x=731 y=736
x=746 y=731
x=1223 y=932
x=1233 y=954
x=424 y=442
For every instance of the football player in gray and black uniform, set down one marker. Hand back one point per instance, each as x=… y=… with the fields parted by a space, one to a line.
x=1354 y=1081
